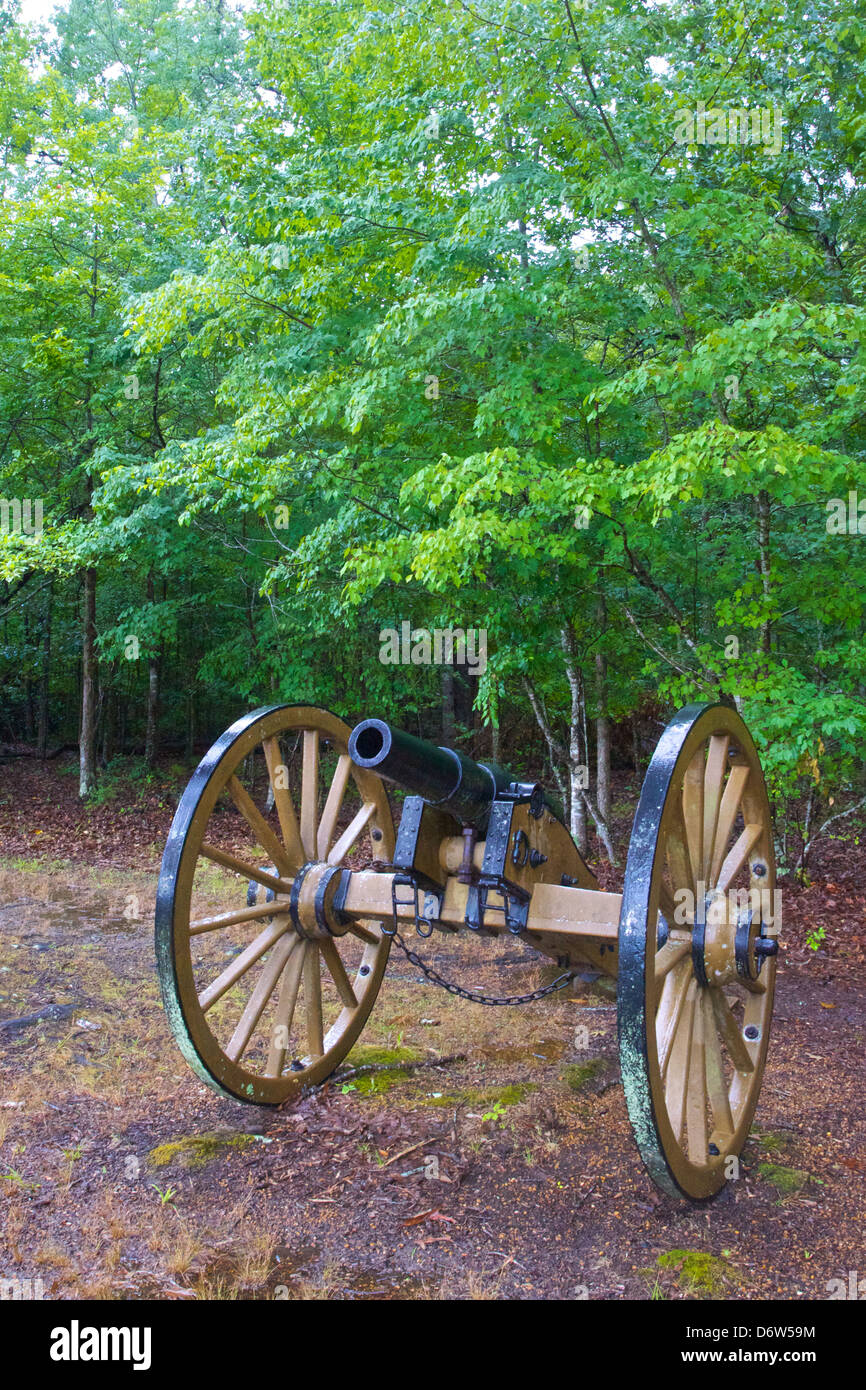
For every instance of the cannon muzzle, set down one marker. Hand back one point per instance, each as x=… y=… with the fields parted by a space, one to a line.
x=440 y=775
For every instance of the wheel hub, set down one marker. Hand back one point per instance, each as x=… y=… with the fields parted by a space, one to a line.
x=312 y=902
x=728 y=942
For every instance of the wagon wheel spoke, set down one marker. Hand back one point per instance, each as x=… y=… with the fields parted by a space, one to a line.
x=230 y=919
x=669 y=956
x=257 y=823
x=285 y=1013
x=244 y=869
x=278 y=776
x=732 y=798
x=717 y=1088
x=714 y=777
x=333 y=806
x=693 y=815
x=679 y=1061
x=738 y=856
x=696 y=1102
x=365 y=933
x=242 y=963
x=310 y=792
x=258 y=1000
x=313 y=1000
x=667 y=905
x=729 y=1031
x=352 y=833
x=677 y=850
x=670 y=1008
x=337 y=972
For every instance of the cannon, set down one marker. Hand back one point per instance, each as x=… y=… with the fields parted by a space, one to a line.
x=285 y=881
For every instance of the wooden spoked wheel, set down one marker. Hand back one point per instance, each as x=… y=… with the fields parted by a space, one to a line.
x=696 y=951
x=261 y=1003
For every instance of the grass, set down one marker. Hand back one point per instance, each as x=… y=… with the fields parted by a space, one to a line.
x=578 y=1074
x=197 y=1150
x=786 y=1181
x=697 y=1273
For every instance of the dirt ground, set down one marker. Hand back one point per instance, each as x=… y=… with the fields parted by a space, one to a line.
x=508 y=1172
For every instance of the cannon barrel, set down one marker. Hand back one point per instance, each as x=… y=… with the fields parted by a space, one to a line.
x=440 y=775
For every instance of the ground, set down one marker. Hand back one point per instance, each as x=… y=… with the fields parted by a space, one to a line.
x=506 y=1171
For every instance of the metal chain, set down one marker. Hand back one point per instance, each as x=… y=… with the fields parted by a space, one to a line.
x=435 y=978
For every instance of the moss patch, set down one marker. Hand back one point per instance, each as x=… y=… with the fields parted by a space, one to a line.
x=785 y=1180
x=195 y=1150
x=769 y=1141
x=480 y=1098
x=382 y=1056
x=577 y=1074
x=697 y=1272
x=379 y=1082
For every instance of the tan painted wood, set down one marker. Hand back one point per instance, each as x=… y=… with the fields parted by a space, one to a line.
x=364 y=934
x=241 y=964
x=310 y=792
x=673 y=995
x=670 y=1008
x=231 y=919
x=693 y=813
x=313 y=1000
x=337 y=972
x=240 y=866
x=729 y=1031
x=696 y=1103
x=283 y=800
x=667 y=905
x=717 y=763
x=717 y=1087
x=258 y=1000
x=264 y=834
x=738 y=855
x=730 y=804
x=677 y=852
x=567 y=912
x=284 y=1012
x=677 y=1073
x=352 y=833
x=670 y=954
x=333 y=805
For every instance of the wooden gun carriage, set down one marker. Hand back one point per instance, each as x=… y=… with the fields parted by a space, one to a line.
x=268 y=995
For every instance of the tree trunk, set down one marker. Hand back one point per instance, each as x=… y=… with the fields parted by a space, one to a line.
x=109 y=720
x=602 y=728
x=763 y=501
x=635 y=746
x=449 y=728
x=151 y=732
x=44 y=680
x=152 y=727
x=87 y=736
x=577 y=745
x=29 y=692
x=189 y=741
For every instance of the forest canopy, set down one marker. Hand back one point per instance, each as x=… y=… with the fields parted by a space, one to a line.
x=538 y=319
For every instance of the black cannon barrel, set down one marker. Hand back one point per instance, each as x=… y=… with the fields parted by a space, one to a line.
x=440 y=775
